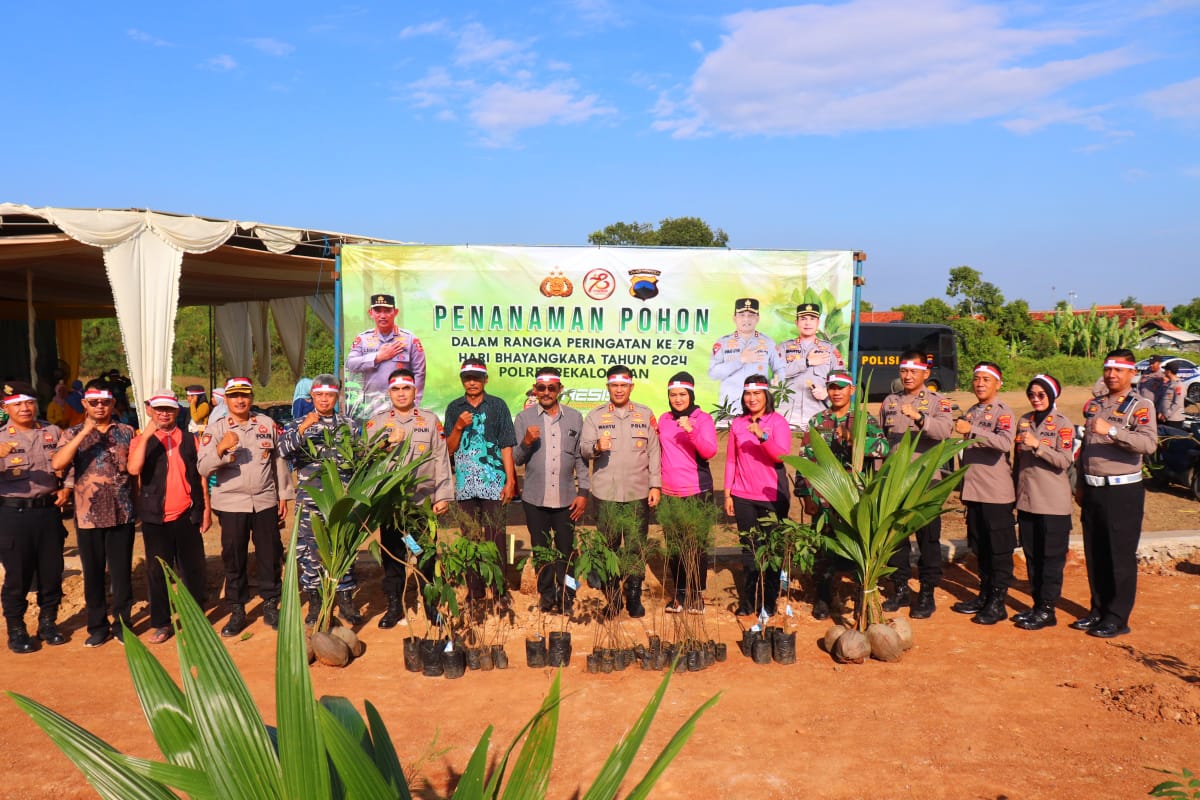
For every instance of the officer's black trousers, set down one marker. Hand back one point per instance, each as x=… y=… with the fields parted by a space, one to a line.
x=929 y=567
x=747 y=513
x=31 y=544
x=111 y=548
x=1044 y=538
x=1112 y=526
x=394 y=568
x=237 y=530
x=180 y=544
x=993 y=537
x=551 y=526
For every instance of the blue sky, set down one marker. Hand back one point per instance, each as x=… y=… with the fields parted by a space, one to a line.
x=1053 y=146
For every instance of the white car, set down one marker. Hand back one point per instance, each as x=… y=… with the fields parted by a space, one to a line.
x=1188 y=372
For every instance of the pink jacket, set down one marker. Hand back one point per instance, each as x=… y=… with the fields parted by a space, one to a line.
x=752 y=467
x=685 y=470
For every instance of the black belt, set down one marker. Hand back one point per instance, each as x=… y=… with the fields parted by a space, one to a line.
x=45 y=501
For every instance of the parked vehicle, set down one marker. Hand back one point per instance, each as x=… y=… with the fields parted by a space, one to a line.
x=1178 y=457
x=1188 y=371
x=880 y=345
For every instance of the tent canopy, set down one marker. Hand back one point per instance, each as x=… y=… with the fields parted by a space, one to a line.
x=140 y=265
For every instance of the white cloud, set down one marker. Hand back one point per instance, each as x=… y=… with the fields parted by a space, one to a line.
x=146 y=38
x=1191 y=172
x=476 y=45
x=696 y=45
x=877 y=64
x=1040 y=116
x=424 y=29
x=272 y=47
x=1177 y=101
x=223 y=63
x=502 y=110
x=1133 y=174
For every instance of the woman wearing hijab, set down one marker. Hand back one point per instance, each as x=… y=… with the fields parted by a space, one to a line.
x=1045 y=443
x=756 y=485
x=688 y=438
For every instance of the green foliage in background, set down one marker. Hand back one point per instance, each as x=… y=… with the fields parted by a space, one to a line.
x=671 y=232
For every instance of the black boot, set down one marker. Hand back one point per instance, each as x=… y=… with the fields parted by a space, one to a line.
x=237 y=621
x=270 y=613
x=1040 y=616
x=48 y=630
x=975 y=604
x=314 y=606
x=346 y=609
x=395 y=610
x=18 y=638
x=1022 y=616
x=901 y=596
x=923 y=605
x=633 y=598
x=995 y=610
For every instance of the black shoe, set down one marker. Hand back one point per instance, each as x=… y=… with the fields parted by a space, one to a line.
x=1108 y=630
x=270 y=613
x=395 y=610
x=901 y=596
x=18 y=638
x=974 y=605
x=118 y=632
x=820 y=609
x=923 y=605
x=1037 y=618
x=98 y=639
x=633 y=598
x=49 y=633
x=1088 y=622
x=1022 y=616
x=995 y=609
x=236 y=623
x=346 y=609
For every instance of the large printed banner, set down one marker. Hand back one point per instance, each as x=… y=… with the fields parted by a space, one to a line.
x=581 y=309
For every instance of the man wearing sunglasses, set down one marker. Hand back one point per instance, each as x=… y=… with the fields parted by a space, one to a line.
x=31 y=529
x=94 y=456
x=556 y=483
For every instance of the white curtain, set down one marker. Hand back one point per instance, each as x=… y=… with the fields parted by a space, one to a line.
x=235 y=339
x=292 y=324
x=322 y=306
x=143 y=255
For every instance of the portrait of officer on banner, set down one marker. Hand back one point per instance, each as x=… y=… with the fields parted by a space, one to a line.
x=743 y=353
x=377 y=352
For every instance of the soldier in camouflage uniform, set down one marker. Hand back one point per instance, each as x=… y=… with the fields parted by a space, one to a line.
x=836 y=426
x=306 y=443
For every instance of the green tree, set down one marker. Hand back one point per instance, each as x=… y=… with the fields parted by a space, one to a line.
x=1187 y=316
x=976 y=296
x=932 y=311
x=671 y=232
x=1132 y=302
x=866 y=306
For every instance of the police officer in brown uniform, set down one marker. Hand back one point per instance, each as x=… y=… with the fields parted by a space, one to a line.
x=250 y=499
x=927 y=413
x=987 y=492
x=404 y=422
x=1045 y=439
x=1120 y=431
x=31 y=529
x=621 y=440
x=1172 y=399
x=1150 y=385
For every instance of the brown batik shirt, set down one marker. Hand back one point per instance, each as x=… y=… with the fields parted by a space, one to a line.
x=103 y=487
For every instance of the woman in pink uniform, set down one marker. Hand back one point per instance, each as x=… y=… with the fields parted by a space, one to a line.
x=688 y=439
x=756 y=485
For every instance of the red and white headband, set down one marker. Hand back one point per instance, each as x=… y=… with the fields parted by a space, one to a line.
x=324 y=387
x=17 y=398
x=547 y=377
x=756 y=386
x=985 y=369
x=910 y=364
x=401 y=380
x=472 y=368
x=1119 y=363
x=622 y=379
x=97 y=394
x=163 y=400
x=681 y=385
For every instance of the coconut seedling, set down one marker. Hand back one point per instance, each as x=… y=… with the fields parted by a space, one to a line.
x=873 y=511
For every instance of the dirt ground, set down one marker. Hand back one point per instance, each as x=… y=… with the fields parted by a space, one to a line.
x=969 y=712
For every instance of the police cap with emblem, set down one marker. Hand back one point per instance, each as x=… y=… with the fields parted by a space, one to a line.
x=808 y=310
x=17 y=391
x=383 y=301
x=745 y=304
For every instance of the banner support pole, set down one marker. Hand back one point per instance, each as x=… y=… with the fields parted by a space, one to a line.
x=859 y=258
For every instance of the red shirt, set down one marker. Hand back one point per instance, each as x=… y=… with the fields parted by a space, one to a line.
x=178 y=495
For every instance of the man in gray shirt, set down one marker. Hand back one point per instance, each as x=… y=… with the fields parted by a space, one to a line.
x=556 y=482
